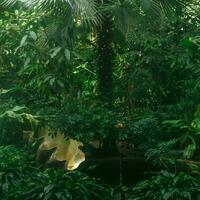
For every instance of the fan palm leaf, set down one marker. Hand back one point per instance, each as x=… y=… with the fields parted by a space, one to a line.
x=84 y=9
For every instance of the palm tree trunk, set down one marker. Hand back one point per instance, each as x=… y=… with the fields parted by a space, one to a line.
x=104 y=52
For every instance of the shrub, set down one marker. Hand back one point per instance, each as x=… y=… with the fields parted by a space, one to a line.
x=81 y=122
x=145 y=132
x=58 y=185
x=14 y=163
x=167 y=186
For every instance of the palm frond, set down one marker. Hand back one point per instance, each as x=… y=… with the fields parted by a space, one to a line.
x=8 y=3
x=166 y=7
x=128 y=14
x=86 y=10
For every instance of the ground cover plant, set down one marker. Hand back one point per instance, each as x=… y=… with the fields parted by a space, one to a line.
x=14 y=163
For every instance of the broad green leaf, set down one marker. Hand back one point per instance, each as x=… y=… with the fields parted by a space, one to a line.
x=60 y=83
x=33 y=35
x=67 y=54
x=55 y=52
x=51 y=82
x=23 y=40
x=3 y=91
x=18 y=108
x=27 y=61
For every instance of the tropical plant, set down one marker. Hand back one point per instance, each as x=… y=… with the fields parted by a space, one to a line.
x=111 y=15
x=57 y=185
x=62 y=60
x=167 y=186
x=14 y=164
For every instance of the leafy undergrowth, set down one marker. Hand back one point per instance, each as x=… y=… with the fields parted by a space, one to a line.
x=20 y=178
x=58 y=185
x=167 y=186
x=14 y=163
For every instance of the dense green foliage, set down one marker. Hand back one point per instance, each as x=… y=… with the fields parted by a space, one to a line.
x=117 y=72
x=52 y=184
x=14 y=163
x=167 y=186
x=21 y=177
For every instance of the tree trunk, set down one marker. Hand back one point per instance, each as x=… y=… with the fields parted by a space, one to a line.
x=104 y=52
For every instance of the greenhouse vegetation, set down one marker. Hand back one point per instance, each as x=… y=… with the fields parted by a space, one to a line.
x=99 y=99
